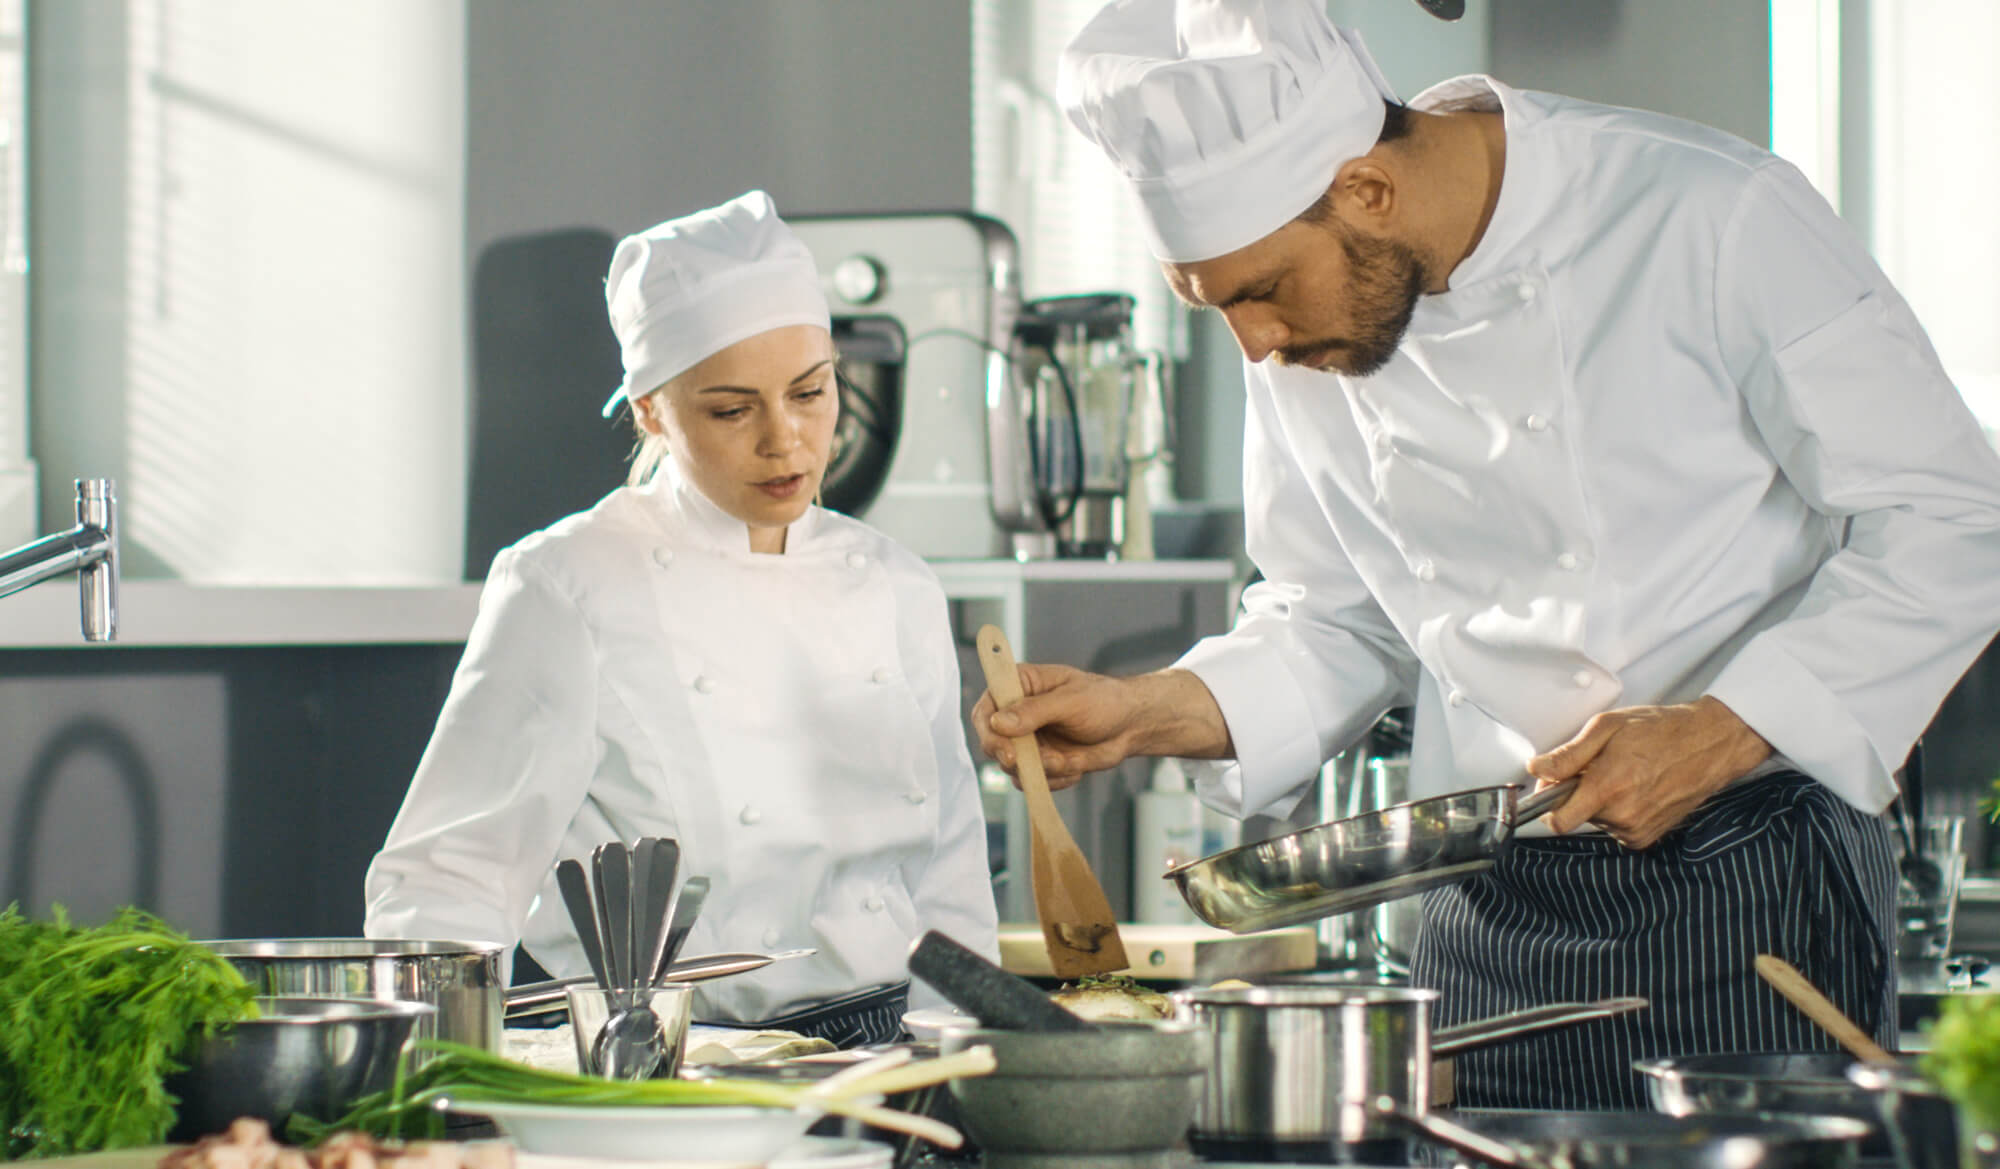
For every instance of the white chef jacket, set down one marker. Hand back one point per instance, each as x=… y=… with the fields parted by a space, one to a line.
x=1669 y=432
x=792 y=720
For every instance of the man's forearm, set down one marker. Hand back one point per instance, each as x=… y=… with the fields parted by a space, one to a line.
x=1175 y=715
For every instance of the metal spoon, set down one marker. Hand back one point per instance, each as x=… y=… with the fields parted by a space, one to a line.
x=629 y=1046
x=686 y=909
x=634 y=1040
x=576 y=898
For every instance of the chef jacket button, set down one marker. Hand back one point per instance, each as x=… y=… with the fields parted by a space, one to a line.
x=1426 y=571
x=915 y=797
x=1568 y=562
x=1582 y=678
x=704 y=685
x=1456 y=698
x=1526 y=292
x=1537 y=423
x=856 y=560
x=772 y=938
x=1384 y=444
x=880 y=676
x=750 y=815
x=663 y=556
x=872 y=905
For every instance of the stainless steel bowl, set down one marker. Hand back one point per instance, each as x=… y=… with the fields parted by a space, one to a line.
x=460 y=979
x=1352 y=864
x=302 y=1056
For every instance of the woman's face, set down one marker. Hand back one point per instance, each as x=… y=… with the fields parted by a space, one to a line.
x=752 y=426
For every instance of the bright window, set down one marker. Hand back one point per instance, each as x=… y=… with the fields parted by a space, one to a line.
x=1920 y=104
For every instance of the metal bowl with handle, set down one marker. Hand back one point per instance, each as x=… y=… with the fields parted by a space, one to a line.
x=1640 y=1140
x=1362 y=861
x=1812 y=1083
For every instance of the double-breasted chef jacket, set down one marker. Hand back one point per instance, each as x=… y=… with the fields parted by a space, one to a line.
x=793 y=720
x=1669 y=432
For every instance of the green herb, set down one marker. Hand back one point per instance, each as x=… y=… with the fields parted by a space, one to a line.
x=92 y=1020
x=409 y=1108
x=1118 y=982
x=1964 y=1056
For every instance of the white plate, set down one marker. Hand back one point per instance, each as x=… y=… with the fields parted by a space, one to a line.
x=807 y=1153
x=668 y=1132
x=930 y=1023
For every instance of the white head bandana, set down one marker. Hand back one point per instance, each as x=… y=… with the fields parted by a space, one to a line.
x=1230 y=117
x=694 y=286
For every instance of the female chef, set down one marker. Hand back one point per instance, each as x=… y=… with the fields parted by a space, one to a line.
x=709 y=656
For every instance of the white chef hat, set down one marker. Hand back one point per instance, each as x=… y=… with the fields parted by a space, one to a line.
x=1230 y=117
x=693 y=286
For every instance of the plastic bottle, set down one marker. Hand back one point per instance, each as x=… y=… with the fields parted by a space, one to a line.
x=1166 y=831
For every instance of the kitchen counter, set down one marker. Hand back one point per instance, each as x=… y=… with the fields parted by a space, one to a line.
x=157 y=613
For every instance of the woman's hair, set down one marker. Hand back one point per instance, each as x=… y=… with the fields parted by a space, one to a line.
x=649 y=450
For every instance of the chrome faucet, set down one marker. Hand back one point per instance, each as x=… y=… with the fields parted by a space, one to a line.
x=90 y=549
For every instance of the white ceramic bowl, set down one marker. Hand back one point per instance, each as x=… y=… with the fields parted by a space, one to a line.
x=667 y=1132
x=929 y=1024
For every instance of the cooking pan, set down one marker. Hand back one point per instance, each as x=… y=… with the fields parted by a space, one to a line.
x=1358 y=863
x=1815 y=1083
x=1294 y=1069
x=1641 y=1140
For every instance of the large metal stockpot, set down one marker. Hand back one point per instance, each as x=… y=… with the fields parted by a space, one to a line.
x=1295 y=1070
x=461 y=979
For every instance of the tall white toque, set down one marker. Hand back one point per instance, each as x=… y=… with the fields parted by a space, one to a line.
x=1229 y=117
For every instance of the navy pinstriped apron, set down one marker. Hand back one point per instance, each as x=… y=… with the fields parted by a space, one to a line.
x=1779 y=865
x=867 y=1017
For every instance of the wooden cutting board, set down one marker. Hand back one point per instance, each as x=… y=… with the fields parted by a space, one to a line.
x=1176 y=953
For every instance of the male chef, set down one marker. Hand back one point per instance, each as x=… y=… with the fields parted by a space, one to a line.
x=1599 y=438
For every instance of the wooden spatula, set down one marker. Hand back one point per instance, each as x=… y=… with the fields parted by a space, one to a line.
x=1077 y=922
x=1786 y=980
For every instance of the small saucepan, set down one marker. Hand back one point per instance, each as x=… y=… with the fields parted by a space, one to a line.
x=1293 y=1070
x=1360 y=862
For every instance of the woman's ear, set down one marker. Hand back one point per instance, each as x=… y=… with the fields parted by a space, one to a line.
x=646 y=414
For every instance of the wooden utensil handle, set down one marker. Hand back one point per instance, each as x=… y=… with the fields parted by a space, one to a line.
x=1003 y=678
x=1786 y=979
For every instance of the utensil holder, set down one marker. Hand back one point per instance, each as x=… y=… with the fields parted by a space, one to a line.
x=591 y=1006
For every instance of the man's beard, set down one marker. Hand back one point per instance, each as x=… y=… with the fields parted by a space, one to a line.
x=1386 y=278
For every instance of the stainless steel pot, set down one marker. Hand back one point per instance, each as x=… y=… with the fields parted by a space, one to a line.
x=460 y=979
x=1295 y=1069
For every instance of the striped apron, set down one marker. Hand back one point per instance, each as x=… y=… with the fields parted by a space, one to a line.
x=1779 y=865
x=869 y=1017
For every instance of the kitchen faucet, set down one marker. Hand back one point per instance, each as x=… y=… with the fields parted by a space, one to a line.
x=90 y=549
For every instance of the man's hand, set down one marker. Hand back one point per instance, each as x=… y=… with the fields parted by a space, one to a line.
x=1645 y=768
x=1087 y=722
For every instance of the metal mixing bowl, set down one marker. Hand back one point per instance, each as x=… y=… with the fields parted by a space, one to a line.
x=302 y=1055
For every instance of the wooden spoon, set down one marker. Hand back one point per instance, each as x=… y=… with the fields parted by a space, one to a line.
x=1077 y=923
x=1786 y=979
